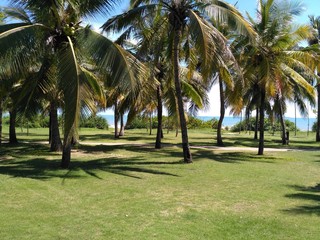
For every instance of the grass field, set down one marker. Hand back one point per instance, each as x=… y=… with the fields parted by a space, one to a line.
x=136 y=192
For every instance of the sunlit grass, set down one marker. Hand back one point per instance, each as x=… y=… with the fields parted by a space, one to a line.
x=137 y=192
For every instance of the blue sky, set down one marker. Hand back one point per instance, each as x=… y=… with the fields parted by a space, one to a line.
x=312 y=7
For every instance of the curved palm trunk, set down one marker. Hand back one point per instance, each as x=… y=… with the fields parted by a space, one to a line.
x=183 y=124
x=256 y=125
x=55 y=140
x=121 y=133
x=318 y=115
x=159 y=112
x=261 y=135
x=222 y=113
x=116 y=116
x=12 y=128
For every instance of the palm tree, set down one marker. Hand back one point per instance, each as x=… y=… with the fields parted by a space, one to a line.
x=53 y=27
x=315 y=40
x=186 y=24
x=273 y=61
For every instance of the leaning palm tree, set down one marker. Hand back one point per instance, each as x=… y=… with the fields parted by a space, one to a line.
x=54 y=28
x=273 y=62
x=190 y=36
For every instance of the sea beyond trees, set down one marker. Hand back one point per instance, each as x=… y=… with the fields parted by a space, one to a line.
x=169 y=53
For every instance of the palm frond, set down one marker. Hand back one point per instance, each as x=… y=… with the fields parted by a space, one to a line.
x=69 y=82
x=18 y=14
x=298 y=79
x=121 y=68
x=225 y=12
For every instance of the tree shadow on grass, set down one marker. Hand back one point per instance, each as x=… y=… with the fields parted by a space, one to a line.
x=23 y=150
x=175 y=151
x=44 y=168
x=110 y=137
x=131 y=167
x=232 y=157
x=308 y=194
x=139 y=149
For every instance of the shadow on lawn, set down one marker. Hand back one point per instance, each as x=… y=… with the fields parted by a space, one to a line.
x=20 y=161
x=308 y=194
x=110 y=137
x=232 y=157
x=175 y=151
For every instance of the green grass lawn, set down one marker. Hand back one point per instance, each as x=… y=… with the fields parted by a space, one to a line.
x=137 y=192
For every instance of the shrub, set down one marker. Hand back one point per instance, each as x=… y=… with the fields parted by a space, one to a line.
x=94 y=122
x=195 y=123
x=140 y=122
x=250 y=125
x=314 y=126
x=37 y=121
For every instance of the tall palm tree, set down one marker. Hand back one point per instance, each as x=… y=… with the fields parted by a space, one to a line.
x=54 y=27
x=186 y=24
x=315 y=40
x=273 y=61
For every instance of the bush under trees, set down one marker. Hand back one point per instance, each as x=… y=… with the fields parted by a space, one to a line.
x=249 y=125
x=42 y=121
x=141 y=122
x=94 y=122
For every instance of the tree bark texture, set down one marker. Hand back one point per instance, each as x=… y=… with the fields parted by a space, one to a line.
x=121 y=133
x=222 y=113
x=159 y=113
x=66 y=154
x=1 y=113
x=12 y=128
x=283 y=125
x=116 y=120
x=318 y=115
x=256 y=125
x=55 y=143
x=261 y=127
x=187 y=157
x=150 y=124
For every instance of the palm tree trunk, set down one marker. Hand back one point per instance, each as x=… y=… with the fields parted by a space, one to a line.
x=150 y=123
x=159 y=112
x=240 y=125
x=121 y=133
x=66 y=154
x=248 y=120
x=116 y=134
x=295 y=118
x=50 y=124
x=183 y=124
x=256 y=125
x=261 y=127
x=283 y=125
x=318 y=115
x=222 y=113
x=55 y=143
x=12 y=128
x=1 y=113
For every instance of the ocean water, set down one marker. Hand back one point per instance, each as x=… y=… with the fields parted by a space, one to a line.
x=302 y=123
